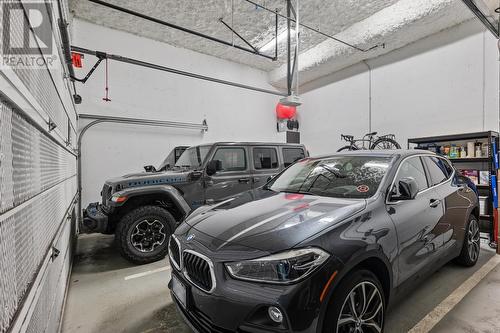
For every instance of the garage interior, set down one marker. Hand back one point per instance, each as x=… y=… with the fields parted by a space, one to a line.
x=92 y=90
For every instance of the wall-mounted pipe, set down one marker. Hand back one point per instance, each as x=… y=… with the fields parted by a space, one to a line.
x=63 y=30
x=369 y=95
x=98 y=119
x=66 y=48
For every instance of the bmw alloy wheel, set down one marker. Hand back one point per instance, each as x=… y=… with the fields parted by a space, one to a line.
x=362 y=311
x=473 y=240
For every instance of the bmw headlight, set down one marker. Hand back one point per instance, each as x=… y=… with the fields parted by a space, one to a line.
x=284 y=267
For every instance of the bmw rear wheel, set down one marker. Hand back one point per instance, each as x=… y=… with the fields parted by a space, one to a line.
x=471 y=245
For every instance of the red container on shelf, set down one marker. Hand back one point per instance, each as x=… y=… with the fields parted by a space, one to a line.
x=495 y=229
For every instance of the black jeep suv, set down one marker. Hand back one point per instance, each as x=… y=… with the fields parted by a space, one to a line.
x=143 y=209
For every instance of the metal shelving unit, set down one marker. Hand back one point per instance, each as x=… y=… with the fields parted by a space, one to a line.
x=489 y=221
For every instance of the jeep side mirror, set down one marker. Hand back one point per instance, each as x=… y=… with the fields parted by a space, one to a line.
x=195 y=175
x=164 y=168
x=408 y=189
x=214 y=166
x=149 y=168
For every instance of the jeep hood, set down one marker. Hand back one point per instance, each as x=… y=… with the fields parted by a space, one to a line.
x=267 y=221
x=150 y=178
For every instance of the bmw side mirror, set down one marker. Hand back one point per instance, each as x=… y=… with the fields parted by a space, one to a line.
x=213 y=166
x=408 y=189
x=462 y=180
x=149 y=168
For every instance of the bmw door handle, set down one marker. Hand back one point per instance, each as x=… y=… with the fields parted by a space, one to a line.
x=244 y=180
x=425 y=233
x=434 y=203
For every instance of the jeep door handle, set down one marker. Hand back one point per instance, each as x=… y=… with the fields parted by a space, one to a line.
x=434 y=203
x=244 y=180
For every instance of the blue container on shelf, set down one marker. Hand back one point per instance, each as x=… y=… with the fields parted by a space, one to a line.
x=494 y=190
x=495 y=154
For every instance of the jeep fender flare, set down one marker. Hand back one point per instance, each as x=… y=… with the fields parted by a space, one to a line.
x=166 y=190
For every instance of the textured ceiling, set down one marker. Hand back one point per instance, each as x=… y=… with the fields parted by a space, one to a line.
x=363 y=23
x=397 y=25
x=254 y=24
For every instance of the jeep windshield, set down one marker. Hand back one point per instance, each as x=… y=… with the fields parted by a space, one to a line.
x=193 y=157
x=339 y=176
x=174 y=155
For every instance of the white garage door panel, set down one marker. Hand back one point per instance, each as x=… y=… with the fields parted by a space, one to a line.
x=38 y=180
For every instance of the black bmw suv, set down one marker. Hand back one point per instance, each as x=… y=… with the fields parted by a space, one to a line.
x=325 y=246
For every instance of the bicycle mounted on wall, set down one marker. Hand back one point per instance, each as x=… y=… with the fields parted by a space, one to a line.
x=370 y=141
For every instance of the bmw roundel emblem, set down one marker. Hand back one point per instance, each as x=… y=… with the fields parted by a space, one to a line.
x=190 y=237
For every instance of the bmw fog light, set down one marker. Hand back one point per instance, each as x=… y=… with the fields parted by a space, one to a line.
x=275 y=314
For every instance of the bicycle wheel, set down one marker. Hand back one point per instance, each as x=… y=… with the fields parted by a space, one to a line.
x=346 y=148
x=385 y=143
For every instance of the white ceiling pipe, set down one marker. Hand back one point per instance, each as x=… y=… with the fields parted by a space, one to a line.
x=297 y=47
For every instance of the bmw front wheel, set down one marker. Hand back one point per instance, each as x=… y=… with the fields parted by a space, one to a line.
x=357 y=305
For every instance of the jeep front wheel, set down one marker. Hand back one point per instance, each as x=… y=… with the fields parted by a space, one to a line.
x=142 y=234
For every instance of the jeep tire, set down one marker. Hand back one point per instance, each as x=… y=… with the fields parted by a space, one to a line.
x=142 y=234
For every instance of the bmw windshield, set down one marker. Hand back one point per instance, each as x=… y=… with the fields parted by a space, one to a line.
x=340 y=176
x=193 y=157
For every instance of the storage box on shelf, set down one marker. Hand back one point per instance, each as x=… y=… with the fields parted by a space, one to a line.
x=476 y=156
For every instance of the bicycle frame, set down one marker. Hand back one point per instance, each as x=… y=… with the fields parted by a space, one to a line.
x=364 y=142
x=367 y=138
x=368 y=141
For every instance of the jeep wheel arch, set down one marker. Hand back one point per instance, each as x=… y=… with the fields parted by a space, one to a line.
x=157 y=195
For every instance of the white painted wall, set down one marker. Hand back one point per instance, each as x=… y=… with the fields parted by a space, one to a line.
x=431 y=87
x=339 y=107
x=233 y=114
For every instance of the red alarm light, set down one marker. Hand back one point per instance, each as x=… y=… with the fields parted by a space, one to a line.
x=285 y=111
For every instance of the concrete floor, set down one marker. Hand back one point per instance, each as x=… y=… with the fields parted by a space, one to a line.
x=479 y=311
x=108 y=294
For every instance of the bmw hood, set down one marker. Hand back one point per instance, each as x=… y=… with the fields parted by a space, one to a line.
x=267 y=221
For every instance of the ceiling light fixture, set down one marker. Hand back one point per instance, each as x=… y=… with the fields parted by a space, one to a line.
x=281 y=36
